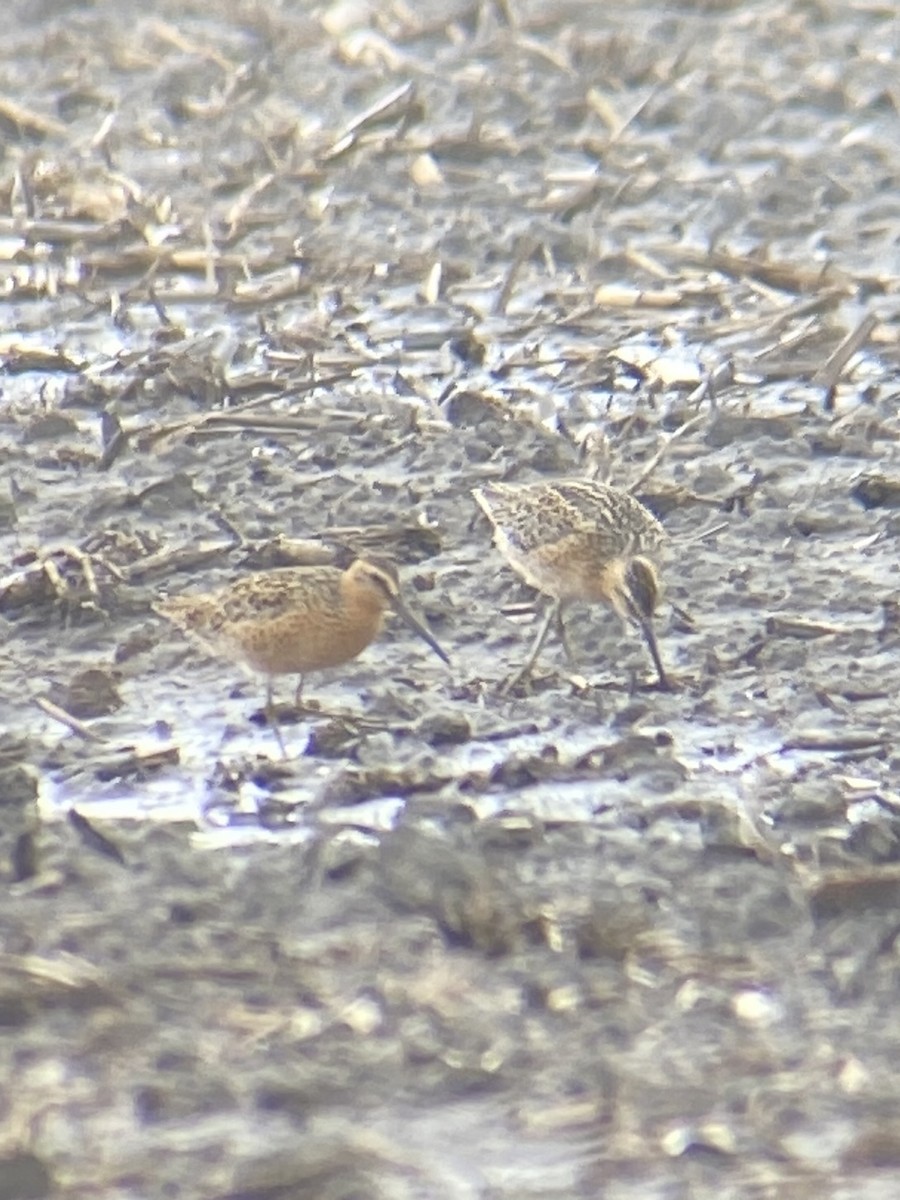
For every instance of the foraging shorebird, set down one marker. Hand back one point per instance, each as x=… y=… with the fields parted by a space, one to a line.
x=293 y=620
x=579 y=540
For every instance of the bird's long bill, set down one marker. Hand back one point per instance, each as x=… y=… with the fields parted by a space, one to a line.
x=645 y=624
x=418 y=627
x=650 y=638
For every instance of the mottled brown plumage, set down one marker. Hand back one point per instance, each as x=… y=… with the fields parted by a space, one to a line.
x=579 y=540
x=293 y=620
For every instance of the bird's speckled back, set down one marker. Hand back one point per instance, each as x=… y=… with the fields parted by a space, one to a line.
x=534 y=515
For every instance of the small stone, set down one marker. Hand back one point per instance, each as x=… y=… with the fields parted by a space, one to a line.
x=444 y=728
x=18 y=785
x=91 y=693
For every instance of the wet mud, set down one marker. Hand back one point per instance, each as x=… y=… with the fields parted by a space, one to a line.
x=282 y=280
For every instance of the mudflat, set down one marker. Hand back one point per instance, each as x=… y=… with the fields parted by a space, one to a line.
x=284 y=284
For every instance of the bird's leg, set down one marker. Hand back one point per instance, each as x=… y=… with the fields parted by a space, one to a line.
x=306 y=706
x=563 y=634
x=553 y=614
x=272 y=717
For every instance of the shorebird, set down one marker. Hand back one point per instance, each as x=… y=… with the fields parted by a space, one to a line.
x=293 y=620
x=579 y=540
